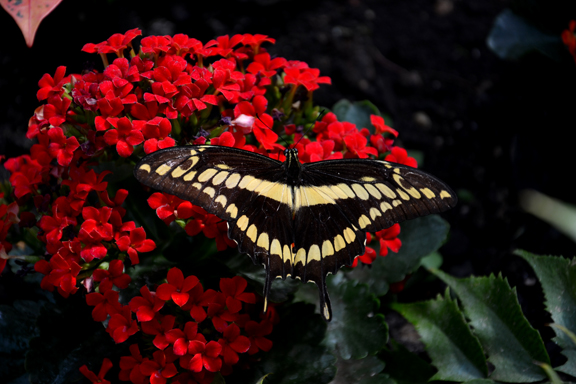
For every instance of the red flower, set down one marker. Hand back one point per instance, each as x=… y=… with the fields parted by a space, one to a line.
x=154 y=44
x=52 y=86
x=205 y=355
x=381 y=127
x=160 y=326
x=264 y=65
x=165 y=205
x=234 y=288
x=369 y=255
x=389 y=239
x=61 y=147
x=256 y=332
x=115 y=44
x=56 y=109
x=106 y=365
x=134 y=243
x=130 y=366
x=121 y=325
x=177 y=287
x=60 y=273
x=104 y=304
x=211 y=226
x=156 y=132
x=356 y=145
x=114 y=275
x=223 y=45
x=159 y=369
x=400 y=156
x=125 y=137
x=298 y=73
x=146 y=306
x=182 y=339
x=232 y=344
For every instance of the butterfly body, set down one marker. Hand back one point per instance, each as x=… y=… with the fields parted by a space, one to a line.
x=298 y=220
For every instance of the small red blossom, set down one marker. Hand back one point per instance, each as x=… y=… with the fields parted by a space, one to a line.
x=121 y=325
x=205 y=355
x=400 y=155
x=234 y=288
x=106 y=365
x=104 y=304
x=126 y=135
x=389 y=239
x=113 y=275
x=232 y=344
x=147 y=305
x=52 y=86
x=160 y=368
x=135 y=243
x=130 y=366
x=59 y=273
x=115 y=44
x=256 y=332
x=177 y=287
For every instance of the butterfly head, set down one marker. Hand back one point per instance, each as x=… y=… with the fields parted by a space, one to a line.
x=292 y=164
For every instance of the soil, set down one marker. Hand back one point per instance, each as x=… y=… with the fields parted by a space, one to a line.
x=488 y=127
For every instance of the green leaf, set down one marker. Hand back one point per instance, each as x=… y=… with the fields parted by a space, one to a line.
x=420 y=237
x=357 y=113
x=355 y=331
x=511 y=343
x=359 y=371
x=297 y=355
x=558 y=279
x=404 y=366
x=480 y=381
x=512 y=37
x=454 y=350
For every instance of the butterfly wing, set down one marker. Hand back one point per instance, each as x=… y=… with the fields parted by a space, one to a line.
x=246 y=189
x=338 y=201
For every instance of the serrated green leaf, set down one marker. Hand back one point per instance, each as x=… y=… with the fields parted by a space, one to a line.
x=358 y=113
x=558 y=279
x=404 y=366
x=509 y=340
x=355 y=331
x=454 y=350
x=420 y=237
x=553 y=376
x=297 y=355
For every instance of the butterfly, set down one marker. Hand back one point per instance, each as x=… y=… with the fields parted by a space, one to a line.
x=298 y=220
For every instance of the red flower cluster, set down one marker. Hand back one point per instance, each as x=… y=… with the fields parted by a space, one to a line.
x=8 y=216
x=175 y=90
x=200 y=334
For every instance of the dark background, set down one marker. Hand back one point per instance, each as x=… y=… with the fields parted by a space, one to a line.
x=487 y=127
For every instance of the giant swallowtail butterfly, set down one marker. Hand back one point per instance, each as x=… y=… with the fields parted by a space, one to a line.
x=298 y=220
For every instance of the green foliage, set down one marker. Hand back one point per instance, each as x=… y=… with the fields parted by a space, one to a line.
x=355 y=331
x=495 y=315
x=454 y=350
x=558 y=278
x=420 y=237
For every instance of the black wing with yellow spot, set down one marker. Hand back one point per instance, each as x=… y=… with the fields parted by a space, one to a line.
x=298 y=220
